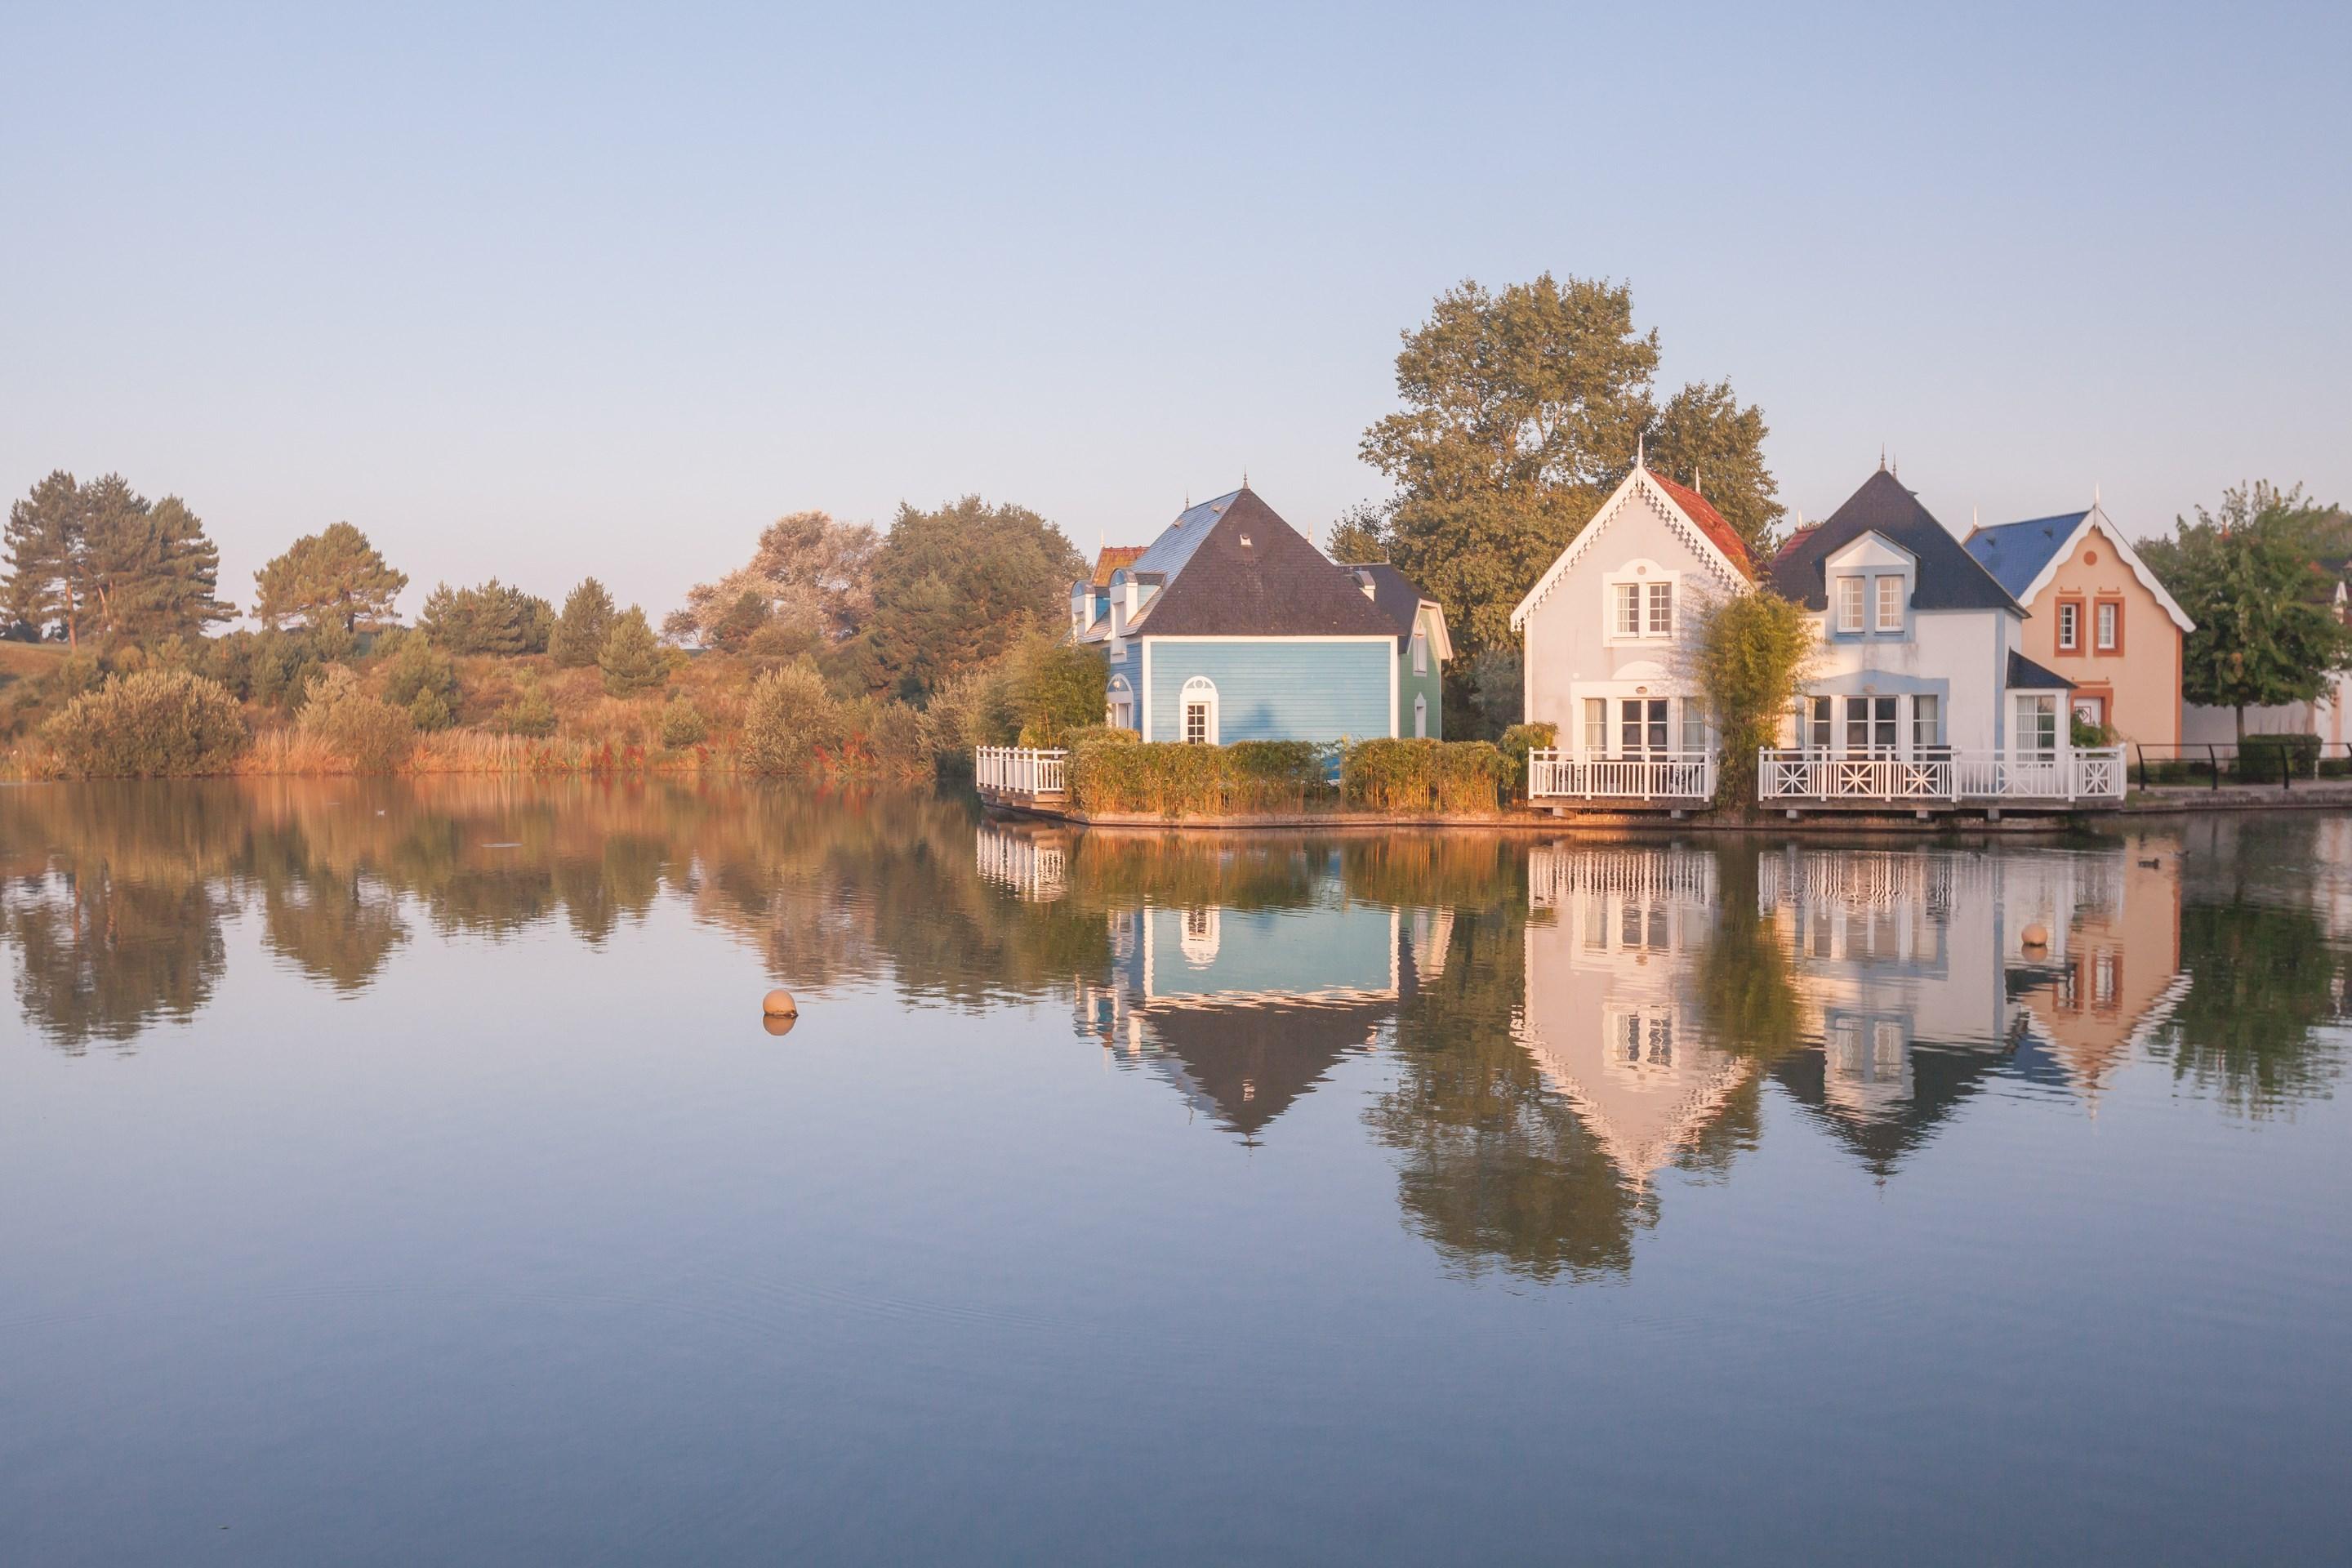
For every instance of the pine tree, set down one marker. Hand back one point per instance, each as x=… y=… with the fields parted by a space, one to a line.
x=581 y=630
x=43 y=538
x=334 y=577
x=103 y=558
x=631 y=660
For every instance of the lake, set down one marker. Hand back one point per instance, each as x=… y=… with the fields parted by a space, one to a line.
x=400 y=1171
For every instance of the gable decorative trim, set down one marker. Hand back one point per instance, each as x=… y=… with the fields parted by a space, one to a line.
x=1719 y=565
x=2098 y=519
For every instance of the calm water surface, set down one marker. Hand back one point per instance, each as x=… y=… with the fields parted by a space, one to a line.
x=402 y=1174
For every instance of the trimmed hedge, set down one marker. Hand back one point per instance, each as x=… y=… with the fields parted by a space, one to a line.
x=1111 y=770
x=2264 y=757
x=1452 y=777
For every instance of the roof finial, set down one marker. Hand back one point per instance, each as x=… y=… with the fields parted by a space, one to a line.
x=1882 y=457
x=1244 y=476
x=1641 y=449
x=2094 y=492
x=1698 y=482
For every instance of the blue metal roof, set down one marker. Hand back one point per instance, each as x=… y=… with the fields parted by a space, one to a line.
x=1173 y=549
x=2015 y=553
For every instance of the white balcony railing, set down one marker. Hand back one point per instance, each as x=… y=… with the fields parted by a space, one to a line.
x=1019 y=770
x=2094 y=773
x=1682 y=776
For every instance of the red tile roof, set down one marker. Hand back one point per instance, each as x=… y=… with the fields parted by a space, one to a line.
x=1112 y=558
x=1710 y=521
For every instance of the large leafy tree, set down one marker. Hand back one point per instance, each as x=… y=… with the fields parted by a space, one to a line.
x=103 y=558
x=954 y=587
x=1703 y=438
x=2267 y=632
x=807 y=571
x=332 y=578
x=1522 y=409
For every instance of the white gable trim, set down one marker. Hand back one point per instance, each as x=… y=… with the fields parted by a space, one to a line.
x=1689 y=532
x=2098 y=519
x=1440 y=647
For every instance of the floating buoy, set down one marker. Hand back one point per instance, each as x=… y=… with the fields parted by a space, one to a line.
x=778 y=1024
x=2035 y=935
x=779 y=1004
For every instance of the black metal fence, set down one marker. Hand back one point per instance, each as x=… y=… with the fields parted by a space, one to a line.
x=2279 y=761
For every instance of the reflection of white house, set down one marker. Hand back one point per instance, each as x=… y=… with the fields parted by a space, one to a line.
x=1607 y=1015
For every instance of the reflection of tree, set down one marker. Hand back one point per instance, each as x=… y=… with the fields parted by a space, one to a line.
x=2260 y=979
x=1746 y=985
x=334 y=929
x=1496 y=1169
x=100 y=958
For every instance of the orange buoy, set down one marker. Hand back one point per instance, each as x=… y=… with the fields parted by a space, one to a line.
x=779 y=1004
x=2036 y=935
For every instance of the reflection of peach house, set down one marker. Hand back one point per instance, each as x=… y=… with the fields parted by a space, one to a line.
x=1920 y=695
x=1607 y=1015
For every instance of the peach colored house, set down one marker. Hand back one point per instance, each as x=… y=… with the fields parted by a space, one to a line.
x=2097 y=615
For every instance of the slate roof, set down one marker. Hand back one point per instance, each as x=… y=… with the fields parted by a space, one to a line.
x=1394 y=595
x=1949 y=578
x=2015 y=553
x=2024 y=675
x=1233 y=568
x=1710 y=521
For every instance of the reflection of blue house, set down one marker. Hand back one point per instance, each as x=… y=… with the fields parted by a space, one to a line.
x=1231 y=626
x=1243 y=1010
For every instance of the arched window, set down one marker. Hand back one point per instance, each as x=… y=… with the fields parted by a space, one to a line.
x=1420 y=717
x=1200 y=705
x=1121 y=703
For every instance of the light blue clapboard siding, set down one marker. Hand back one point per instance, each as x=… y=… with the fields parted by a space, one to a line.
x=1274 y=953
x=1281 y=688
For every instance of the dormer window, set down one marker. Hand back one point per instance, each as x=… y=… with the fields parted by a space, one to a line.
x=1890 y=603
x=1849 y=603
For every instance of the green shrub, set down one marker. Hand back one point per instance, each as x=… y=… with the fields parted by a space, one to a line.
x=1267 y=775
x=631 y=659
x=371 y=735
x=886 y=738
x=1165 y=777
x=418 y=677
x=1450 y=777
x=533 y=712
x=2263 y=758
x=791 y=725
x=158 y=722
x=1517 y=741
x=683 y=725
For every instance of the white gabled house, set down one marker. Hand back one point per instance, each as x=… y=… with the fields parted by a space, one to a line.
x=1919 y=695
x=1606 y=632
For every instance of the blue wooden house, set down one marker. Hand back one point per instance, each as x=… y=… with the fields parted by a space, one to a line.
x=1231 y=626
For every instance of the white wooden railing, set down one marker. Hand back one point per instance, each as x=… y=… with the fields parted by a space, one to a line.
x=1640 y=775
x=1019 y=770
x=2093 y=773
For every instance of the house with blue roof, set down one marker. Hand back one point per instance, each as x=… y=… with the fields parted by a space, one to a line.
x=1232 y=625
x=2097 y=615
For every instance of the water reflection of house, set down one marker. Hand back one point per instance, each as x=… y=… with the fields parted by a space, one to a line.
x=1608 y=1014
x=1031 y=859
x=1931 y=971
x=2112 y=970
x=1246 y=1009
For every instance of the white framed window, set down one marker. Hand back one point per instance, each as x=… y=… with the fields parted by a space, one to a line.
x=1694 y=725
x=1122 y=703
x=1419 y=651
x=1890 y=603
x=1640 y=725
x=1629 y=609
x=1596 y=726
x=1420 y=717
x=1849 y=598
x=2105 y=622
x=1662 y=609
x=2037 y=725
x=2070 y=626
x=1926 y=722
x=1200 y=702
x=1870 y=724
x=1820 y=735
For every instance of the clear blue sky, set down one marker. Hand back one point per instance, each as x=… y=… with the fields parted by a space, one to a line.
x=551 y=291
